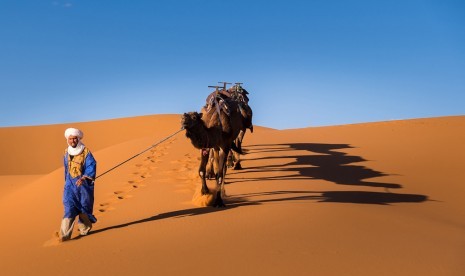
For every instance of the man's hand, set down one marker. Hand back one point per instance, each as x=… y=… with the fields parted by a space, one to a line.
x=79 y=182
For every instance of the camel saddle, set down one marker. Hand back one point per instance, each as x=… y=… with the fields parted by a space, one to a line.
x=239 y=94
x=219 y=100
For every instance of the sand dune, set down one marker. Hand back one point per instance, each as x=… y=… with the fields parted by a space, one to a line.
x=365 y=199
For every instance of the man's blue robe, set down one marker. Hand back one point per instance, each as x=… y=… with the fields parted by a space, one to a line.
x=79 y=199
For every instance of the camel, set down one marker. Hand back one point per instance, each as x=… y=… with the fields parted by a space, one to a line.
x=239 y=94
x=218 y=131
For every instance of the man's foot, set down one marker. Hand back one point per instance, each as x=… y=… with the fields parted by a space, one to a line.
x=83 y=229
x=57 y=237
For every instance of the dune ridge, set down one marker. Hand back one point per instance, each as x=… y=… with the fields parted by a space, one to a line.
x=383 y=198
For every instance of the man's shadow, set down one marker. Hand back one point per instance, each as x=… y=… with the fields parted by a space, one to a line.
x=168 y=215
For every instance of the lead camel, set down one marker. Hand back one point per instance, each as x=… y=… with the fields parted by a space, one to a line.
x=218 y=131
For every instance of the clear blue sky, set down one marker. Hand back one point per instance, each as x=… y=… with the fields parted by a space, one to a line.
x=305 y=63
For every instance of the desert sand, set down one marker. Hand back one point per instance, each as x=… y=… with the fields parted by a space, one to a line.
x=383 y=198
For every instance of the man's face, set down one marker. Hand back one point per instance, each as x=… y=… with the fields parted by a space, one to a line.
x=73 y=141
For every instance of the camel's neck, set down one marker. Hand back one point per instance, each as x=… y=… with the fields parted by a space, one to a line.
x=199 y=137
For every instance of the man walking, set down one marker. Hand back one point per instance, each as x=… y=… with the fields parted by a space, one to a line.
x=78 y=196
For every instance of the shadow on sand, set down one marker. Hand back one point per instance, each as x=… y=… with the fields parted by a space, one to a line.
x=359 y=197
x=315 y=161
x=319 y=161
x=168 y=215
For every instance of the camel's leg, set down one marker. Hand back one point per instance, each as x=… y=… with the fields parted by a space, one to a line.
x=241 y=135
x=236 y=155
x=230 y=160
x=223 y=154
x=237 y=161
x=215 y=158
x=211 y=165
x=202 y=170
x=223 y=168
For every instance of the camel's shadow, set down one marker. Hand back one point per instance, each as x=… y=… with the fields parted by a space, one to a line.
x=313 y=161
x=318 y=161
x=322 y=162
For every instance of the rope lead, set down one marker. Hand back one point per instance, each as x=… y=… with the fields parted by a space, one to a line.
x=154 y=145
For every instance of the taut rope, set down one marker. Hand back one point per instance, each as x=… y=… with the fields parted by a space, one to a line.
x=154 y=145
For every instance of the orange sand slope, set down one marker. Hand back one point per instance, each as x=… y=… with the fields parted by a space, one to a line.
x=365 y=199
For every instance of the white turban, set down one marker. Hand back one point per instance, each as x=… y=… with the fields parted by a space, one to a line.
x=73 y=132
x=80 y=146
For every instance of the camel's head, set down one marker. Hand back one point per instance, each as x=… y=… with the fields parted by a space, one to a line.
x=190 y=119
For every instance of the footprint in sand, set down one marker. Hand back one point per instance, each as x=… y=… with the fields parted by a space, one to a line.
x=183 y=166
x=54 y=241
x=142 y=174
x=145 y=175
x=105 y=209
x=153 y=159
x=120 y=194
x=145 y=165
x=186 y=172
x=124 y=196
x=157 y=159
x=136 y=184
x=135 y=181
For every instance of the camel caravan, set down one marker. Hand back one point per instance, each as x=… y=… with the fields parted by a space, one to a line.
x=218 y=131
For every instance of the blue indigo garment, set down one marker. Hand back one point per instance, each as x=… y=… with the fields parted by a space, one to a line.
x=79 y=199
